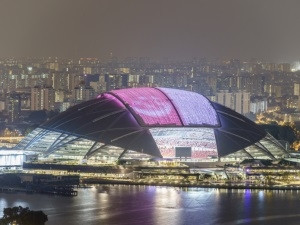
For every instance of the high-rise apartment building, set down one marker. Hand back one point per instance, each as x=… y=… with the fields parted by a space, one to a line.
x=297 y=89
x=258 y=105
x=83 y=93
x=284 y=67
x=14 y=107
x=42 y=98
x=238 y=101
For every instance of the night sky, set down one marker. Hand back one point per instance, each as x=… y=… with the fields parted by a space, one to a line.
x=178 y=29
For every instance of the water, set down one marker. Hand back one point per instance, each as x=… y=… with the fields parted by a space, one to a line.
x=144 y=205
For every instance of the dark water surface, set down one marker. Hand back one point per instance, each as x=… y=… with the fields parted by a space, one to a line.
x=114 y=205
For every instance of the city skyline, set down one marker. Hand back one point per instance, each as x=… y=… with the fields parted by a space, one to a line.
x=159 y=29
x=149 y=112
x=34 y=89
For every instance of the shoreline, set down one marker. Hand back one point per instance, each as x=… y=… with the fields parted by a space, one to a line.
x=32 y=191
x=218 y=186
x=131 y=183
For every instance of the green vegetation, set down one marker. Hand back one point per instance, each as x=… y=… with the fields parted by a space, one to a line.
x=22 y=216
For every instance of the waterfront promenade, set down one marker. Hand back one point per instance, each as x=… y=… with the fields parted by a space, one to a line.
x=272 y=177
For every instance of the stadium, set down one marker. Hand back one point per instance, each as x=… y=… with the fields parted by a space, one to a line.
x=151 y=123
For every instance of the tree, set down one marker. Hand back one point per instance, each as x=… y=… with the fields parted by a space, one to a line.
x=23 y=216
x=34 y=218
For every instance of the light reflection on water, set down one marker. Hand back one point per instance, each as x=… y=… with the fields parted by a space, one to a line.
x=147 y=205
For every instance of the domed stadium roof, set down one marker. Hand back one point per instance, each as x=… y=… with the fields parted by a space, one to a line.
x=160 y=122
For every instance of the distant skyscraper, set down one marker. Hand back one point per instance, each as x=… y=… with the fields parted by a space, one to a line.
x=297 y=89
x=116 y=81
x=284 y=67
x=14 y=107
x=238 y=101
x=83 y=93
x=59 y=96
x=65 y=81
x=42 y=98
x=258 y=105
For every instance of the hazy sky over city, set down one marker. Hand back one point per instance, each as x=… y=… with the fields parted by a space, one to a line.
x=267 y=29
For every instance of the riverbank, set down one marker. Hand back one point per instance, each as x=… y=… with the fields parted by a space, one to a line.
x=51 y=191
x=260 y=178
x=86 y=184
x=194 y=185
x=39 y=183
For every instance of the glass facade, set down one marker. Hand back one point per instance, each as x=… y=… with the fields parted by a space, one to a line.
x=11 y=158
x=200 y=142
x=266 y=148
x=56 y=145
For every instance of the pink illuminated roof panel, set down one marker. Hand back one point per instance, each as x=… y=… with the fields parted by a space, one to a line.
x=194 y=109
x=150 y=106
